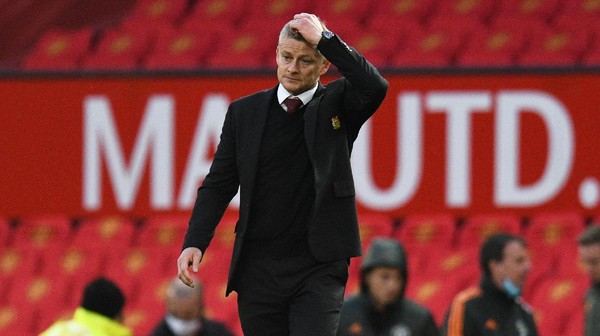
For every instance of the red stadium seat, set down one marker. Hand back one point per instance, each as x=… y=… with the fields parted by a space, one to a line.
x=459 y=9
x=421 y=234
x=18 y=262
x=120 y=49
x=389 y=25
x=371 y=226
x=142 y=320
x=555 y=302
x=176 y=49
x=401 y=10
x=592 y=57
x=434 y=232
x=556 y=47
x=72 y=265
x=477 y=228
x=131 y=268
x=570 y=266
x=37 y=292
x=554 y=232
x=49 y=314
x=543 y=265
x=492 y=47
x=377 y=48
x=17 y=320
x=544 y=10
x=329 y=11
x=43 y=232
x=575 y=326
x=276 y=10
x=163 y=232
x=461 y=265
x=347 y=27
x=374 y=225
x=59 y=50
x=218 y=306
x=148 y=14
x=110 y=233
x=152 y=291
x=435 y=293
x=582 y=7
x=221 y=12
x=433 y=47
x=243 y=49
x=463 y=27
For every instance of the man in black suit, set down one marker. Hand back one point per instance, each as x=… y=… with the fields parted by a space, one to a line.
x=298 y=225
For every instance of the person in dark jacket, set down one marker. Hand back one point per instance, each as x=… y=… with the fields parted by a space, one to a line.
x=287 y=150
x=589 y=252
x=495 y=307
x=185 y=313
x=381 y=309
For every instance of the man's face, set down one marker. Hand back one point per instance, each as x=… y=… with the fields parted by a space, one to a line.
x=298 y=66
x=186 y=308
x=384 y=285
x=514 y=266
x=590 y=257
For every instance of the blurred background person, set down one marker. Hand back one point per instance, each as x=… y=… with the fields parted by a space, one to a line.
x=381 y=309
x=186 y=314
x=589 y=253
x=495 y=307
x=100 y=313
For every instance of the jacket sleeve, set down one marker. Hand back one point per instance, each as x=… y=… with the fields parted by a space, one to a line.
x=218 y=188
x=364 y=87
x=457 y=322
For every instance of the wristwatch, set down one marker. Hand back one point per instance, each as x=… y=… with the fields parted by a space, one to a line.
x=327 y=34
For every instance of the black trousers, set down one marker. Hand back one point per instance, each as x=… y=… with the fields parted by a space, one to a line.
x=296 y=296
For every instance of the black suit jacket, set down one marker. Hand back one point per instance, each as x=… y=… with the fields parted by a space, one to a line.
x=332 y=121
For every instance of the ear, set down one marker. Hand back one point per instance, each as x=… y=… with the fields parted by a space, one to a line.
x=326 y=65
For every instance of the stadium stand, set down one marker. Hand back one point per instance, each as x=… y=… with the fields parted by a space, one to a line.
x=144 y=265
x=480 y=33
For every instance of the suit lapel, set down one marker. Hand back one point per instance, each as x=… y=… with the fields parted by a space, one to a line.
x=252 y=141
x=310 y=119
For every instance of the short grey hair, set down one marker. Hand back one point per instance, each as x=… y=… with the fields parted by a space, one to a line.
x=288 y=32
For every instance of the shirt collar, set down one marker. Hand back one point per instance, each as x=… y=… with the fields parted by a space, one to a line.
x=305 y=96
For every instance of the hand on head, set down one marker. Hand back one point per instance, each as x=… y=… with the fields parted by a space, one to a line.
x=309 y=26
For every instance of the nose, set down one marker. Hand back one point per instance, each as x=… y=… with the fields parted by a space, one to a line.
x=292 y=67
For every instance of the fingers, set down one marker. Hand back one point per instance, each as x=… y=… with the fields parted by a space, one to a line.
x=191 y=256
x=307 y=25
x=195 y=261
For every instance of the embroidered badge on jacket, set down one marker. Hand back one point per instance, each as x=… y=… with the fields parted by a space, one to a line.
x=356 y=328
x=491 y=324
x=335 y=122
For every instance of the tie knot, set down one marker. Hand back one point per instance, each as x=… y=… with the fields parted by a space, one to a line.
x=293 y=104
